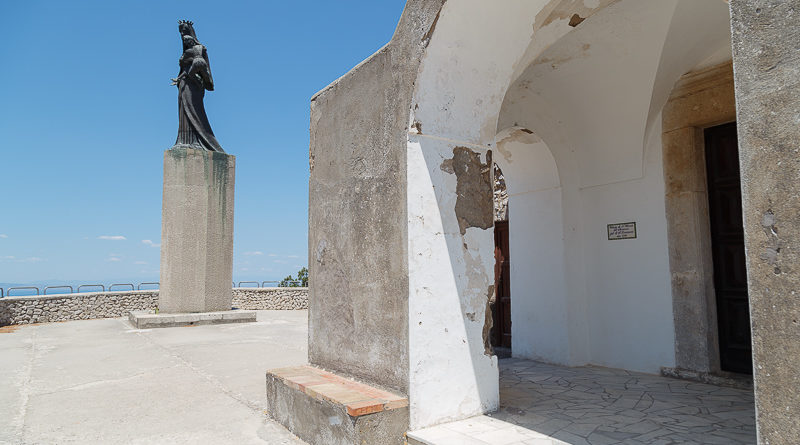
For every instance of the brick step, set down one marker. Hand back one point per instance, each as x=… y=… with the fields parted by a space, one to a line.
x=321 y=407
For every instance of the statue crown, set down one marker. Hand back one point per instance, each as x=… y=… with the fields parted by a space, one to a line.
x=185 y=22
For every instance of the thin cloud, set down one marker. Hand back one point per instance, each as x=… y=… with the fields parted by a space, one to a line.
x=272 y=254
x=3 y=235
x=254 y=253
x=32 y=259
x=113 y=259
x=112 y=237
x=150 y=243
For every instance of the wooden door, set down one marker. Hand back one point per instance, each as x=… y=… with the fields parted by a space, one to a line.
x=501 y=313
x=727 y=246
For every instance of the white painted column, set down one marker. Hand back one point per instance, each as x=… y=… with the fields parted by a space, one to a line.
x=451 y=375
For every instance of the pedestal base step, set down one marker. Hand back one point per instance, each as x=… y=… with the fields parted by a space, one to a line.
x=323 y=408
x=147 y=320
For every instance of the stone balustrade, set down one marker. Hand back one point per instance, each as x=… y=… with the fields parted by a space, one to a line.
x=89 y=305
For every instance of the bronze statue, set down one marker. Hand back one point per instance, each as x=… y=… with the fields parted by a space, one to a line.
x=193 y=79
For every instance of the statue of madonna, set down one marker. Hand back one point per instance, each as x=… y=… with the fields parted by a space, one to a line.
x=194 y=78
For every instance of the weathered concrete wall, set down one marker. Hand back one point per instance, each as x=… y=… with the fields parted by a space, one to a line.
x=85 y=306
x=358 y=321
x=197 y=231
x=766 y=64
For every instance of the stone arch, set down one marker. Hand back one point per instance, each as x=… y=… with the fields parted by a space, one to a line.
x=603 y=134
x=536 y=243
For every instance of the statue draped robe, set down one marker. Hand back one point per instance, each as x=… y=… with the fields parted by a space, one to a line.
x=193 y=127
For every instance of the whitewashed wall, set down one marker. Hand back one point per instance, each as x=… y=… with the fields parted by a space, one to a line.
x=539 y=315
x=595 y=97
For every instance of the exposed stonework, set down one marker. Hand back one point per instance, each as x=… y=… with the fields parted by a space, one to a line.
x=474 y=204
x=500 y=195
x=51 y=308
x=65 y=307
x=488 y=322
x=273 y=298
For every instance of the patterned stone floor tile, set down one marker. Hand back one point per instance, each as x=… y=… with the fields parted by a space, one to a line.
x=543 y=404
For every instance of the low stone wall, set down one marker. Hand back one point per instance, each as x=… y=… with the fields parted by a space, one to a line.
x=277 y=298
x=85 y=306
x=63 y=307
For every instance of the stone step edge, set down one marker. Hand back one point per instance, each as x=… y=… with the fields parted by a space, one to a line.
x=358 y=398
x=411 y=439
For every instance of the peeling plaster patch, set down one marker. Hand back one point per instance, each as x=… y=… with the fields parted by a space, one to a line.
x=567 y=9
x=416 y=127
x=521 y=135
x=505 y=152
x=488 y=322
x=474 y=204
x=447 y=166
x=575 y=20
x=426 y=39
x=558 y=60
x=471 y=316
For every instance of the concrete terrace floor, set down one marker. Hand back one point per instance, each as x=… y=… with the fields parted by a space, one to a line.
x=101 y=381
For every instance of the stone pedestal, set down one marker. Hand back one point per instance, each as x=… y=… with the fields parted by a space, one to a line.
x=148 y=320
x=196 y=231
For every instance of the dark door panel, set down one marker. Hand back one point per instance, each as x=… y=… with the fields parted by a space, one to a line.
x=727 y=246
x=501 y=312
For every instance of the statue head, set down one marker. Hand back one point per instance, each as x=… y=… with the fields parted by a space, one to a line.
x=186 y=28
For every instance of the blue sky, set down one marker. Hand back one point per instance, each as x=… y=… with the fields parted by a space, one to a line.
x=87 y=109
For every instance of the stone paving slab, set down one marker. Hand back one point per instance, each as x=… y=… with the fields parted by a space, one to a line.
x=101 y=382
x=545 y=404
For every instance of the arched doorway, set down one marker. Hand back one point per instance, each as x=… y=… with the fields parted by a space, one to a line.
x=591 y=91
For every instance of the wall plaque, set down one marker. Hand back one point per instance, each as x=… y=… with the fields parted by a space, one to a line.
x=622 y=231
